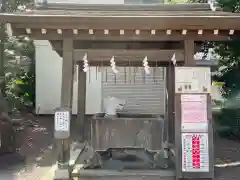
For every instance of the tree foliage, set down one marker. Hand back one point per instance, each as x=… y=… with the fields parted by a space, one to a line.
x=19 y=62
x=228 y=70
x=229 y=62
x=17 y=5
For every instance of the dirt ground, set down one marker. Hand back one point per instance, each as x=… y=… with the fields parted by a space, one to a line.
x=41 y=156
x=36 y=155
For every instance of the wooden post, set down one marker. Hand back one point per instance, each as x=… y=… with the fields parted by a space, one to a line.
x=66 y=95
x=81 y=107
x=189 y=53
x=188 y=174
x=170 y=83
x=189 y=61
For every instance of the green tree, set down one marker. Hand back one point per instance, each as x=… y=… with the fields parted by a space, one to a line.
x=18 y=59
x=229 y=63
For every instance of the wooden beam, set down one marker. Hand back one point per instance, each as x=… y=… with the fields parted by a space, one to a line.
x=129 y=35
x=127 y=45
x=130 y=64
x=127 y=55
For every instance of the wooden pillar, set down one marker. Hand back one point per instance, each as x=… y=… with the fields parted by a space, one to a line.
x=188 y=61
x=170 y=83
x=189 y=53
x=66 y=94
x=81 y=107
x=67 y=74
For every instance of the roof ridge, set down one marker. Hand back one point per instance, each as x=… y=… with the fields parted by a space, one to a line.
x=44 y=5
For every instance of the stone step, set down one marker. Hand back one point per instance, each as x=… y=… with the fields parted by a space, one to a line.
x=99 y=174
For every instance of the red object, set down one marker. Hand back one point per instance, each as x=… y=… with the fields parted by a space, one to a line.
x=196 y=152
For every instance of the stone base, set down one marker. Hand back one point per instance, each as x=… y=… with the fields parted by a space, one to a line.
x=61 y=174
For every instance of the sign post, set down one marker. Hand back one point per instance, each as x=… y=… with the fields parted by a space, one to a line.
x=193 y=123
x=62 y=120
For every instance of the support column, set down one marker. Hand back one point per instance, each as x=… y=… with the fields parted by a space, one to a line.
x=189 y=47
x=170 y=83
x=62 y=172
x=188 y=61
x=67 y=74
x=197 y=95
x=81 y=107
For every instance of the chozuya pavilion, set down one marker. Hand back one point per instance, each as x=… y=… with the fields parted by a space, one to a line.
x=179 y=29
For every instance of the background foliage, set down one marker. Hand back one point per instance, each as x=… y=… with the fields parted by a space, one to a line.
x=18 y=87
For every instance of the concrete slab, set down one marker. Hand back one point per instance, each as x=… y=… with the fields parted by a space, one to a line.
x=61 y=174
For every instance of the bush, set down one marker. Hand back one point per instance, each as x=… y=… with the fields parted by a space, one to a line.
x=19 y=90
x=228 y=122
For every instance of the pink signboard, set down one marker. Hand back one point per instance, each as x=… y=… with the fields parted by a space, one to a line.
x=194 y=112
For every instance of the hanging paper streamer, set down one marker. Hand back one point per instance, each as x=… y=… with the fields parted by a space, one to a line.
x=174 y=60
x=145 y=65
x=85 y=63
x=113 y=65
x=212 y=4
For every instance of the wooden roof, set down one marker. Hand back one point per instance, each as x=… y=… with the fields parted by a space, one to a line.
x=132 y=21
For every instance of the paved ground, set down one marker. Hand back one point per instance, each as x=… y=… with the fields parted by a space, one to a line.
x=41 y=156
x=227 y=155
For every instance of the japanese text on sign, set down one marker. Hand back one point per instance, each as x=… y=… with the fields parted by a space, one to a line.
x=62 y=121
x=194 y=112
x=192 y=80
x=195 y=156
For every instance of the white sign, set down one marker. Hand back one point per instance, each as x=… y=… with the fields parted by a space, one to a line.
x=194 y=113
x=195 y=152
x=62 y=121
x=192 y=80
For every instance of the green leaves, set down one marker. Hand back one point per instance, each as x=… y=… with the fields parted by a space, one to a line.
x=19 y=57
x=17 y=5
